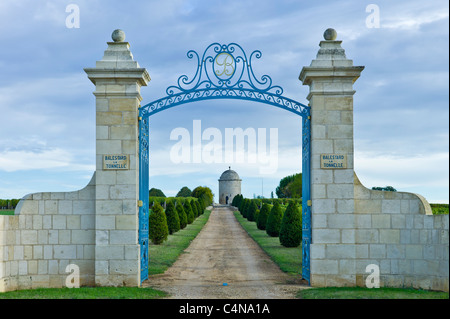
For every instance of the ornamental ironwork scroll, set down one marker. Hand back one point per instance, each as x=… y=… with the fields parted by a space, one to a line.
x=224 y=71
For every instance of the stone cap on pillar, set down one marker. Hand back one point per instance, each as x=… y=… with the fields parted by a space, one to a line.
x=330 y=62
x=118 y=64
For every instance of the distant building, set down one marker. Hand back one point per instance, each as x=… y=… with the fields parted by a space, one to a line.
x=229 y=186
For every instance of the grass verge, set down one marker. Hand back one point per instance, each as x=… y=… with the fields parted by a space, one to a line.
x=85 y=293
x=6 y=211
x=366 y=293
x=288 y=259
x=164 y=255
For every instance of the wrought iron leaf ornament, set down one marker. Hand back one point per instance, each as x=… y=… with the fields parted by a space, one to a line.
x=224 y=71
x=224 y=67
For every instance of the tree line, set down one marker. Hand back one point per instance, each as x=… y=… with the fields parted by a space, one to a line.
x=9 y=203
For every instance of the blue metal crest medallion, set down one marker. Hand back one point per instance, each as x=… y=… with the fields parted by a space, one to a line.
x=224 y=71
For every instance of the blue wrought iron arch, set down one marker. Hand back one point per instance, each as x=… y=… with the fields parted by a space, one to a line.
x=224 y=72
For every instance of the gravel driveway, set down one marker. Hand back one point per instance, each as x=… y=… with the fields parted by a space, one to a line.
x=223 y=262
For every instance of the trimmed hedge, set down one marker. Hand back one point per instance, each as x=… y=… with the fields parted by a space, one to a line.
x=274 y=220
x=291 y=226
x=262 y=217
x=157 y=228
x=181 y=215
x=251 y=211
x=173 y=221
x=190 y=214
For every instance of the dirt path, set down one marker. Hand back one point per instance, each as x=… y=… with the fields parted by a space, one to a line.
x=224 y=253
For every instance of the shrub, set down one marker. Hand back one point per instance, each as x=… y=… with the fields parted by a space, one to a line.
x=201 y=204
x=291 y=226
x=256 y=215
x=189 y=213
x=194 y=209
x=236 y=200
x=261 y=221
x=181 y=215
x=241 y=204
x=155 y=192
x=205 y=193
x=184 y=192
x=157 y=228
x=245 y=207
x=173 y=221
x=199 y=209
x=439 y=209
x=274 y=220
x=251 y=212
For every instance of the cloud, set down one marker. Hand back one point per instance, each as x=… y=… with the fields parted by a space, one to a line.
x=401 y=103
x=405 y=20
x=401 y=171
x=11 y=161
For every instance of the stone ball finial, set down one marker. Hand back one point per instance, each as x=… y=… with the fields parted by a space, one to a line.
x=118 y=35
x=330 y=34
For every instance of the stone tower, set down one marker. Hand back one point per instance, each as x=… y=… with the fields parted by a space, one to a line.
x=229 y=186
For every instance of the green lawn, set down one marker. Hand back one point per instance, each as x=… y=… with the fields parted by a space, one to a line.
x=85 y=293
x=163 y=256
x=6 y=211
x=366 y=293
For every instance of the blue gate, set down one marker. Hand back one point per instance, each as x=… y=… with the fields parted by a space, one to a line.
x=223 y=72
x=143 y=195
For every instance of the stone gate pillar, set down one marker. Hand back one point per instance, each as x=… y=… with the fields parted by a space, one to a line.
x=330 y=78
x=117 y=79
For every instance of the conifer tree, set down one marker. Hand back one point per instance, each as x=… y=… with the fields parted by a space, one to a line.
x=194 y=209
x=245 y=207
x=173 y=221
x=199 y=209
x=291 y=226
x=157 y=228
x=262 y=217
x=189 y=213
x=181 y=215
x=252 y=211
x=274 y=220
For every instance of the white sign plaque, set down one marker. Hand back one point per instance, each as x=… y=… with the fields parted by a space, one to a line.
x=333 y=161
x=116 y=161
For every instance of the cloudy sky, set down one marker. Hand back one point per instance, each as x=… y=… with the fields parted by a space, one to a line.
x=47 y=109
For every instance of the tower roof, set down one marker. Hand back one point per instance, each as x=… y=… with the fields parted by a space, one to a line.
x=229 y=175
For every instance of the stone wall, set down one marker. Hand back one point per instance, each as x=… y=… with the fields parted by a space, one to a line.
x=398 y=232
x=95 y=228
x=352 y=226
x=48 y=232
x=393 y=230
